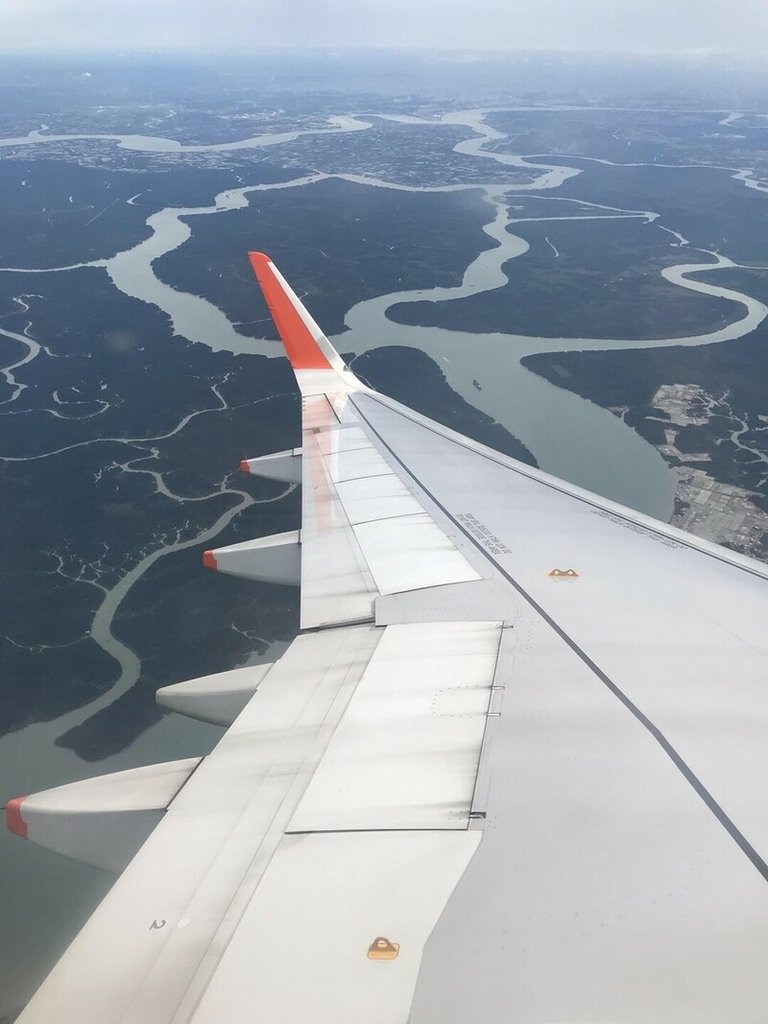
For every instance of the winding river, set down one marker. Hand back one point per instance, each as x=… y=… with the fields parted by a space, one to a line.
x=570 y=437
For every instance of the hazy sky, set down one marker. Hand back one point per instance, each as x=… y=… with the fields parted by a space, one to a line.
x=596 y=25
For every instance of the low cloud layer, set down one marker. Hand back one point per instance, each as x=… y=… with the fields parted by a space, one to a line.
x=241 y=25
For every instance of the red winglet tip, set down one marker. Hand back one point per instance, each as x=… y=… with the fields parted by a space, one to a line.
x=209 y=560
x=13 y=818
x=258 y=259
x=301 y=345
x=244 y=467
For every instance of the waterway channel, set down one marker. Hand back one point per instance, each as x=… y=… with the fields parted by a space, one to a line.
x=570 y=438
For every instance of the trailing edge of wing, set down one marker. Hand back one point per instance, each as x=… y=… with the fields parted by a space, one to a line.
x=318 y=367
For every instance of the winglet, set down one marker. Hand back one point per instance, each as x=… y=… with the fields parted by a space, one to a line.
x=298 y=331
x=209 y=560
x=13 y=818
x=318 y=367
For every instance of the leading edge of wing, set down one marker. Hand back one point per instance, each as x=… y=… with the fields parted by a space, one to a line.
x=316 y=363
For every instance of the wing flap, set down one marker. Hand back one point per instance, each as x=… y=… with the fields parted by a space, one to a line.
x=364 y=533
x=302 y=951
x=411 y=553
x=406 y=753
x=336 y=583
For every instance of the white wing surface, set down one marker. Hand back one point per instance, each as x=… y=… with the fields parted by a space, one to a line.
x=512 y=770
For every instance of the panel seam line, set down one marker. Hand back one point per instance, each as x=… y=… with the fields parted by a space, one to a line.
x=688 y=774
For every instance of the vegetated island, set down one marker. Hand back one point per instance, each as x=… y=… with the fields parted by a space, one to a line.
x=411 y=377
x=704 y=409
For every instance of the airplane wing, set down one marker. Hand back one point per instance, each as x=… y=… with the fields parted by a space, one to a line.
x=513 y=769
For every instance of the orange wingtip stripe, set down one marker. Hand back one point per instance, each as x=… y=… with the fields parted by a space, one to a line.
x=244 y=467
x=13 y=818
x=301 y=348
x=209 y=560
